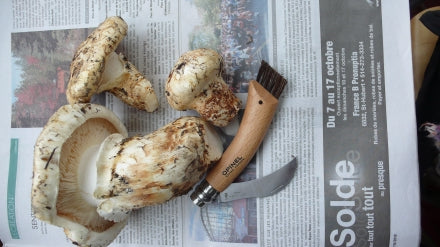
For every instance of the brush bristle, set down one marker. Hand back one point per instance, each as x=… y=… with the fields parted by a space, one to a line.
x=270 y=79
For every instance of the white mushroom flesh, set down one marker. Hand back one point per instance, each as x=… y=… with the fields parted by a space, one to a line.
x=87 y=169
x=114 y=72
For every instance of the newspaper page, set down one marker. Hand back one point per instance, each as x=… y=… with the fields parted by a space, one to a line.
x=348 y=67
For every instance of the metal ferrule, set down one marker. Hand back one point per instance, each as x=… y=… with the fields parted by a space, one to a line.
x=203 y=193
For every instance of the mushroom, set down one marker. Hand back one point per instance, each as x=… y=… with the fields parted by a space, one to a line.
x=96 y=68
x=196 y=83
x=63 y=152
x=145 y=170
x=88 y=175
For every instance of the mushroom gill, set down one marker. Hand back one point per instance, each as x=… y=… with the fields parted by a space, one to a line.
x=62 y=156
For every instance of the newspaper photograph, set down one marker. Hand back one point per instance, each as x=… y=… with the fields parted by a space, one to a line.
x=349 y=74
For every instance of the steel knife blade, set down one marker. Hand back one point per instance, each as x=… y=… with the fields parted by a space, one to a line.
x=260 y=187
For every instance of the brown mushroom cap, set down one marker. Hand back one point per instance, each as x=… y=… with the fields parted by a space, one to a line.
x=61 y=148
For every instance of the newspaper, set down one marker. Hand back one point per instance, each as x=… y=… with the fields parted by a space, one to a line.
x=347 y=114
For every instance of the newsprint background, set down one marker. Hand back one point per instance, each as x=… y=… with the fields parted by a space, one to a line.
x=348 y=66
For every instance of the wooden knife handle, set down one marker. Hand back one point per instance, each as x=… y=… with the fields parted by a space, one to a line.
x=259 y=111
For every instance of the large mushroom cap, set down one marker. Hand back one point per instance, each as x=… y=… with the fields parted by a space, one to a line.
x=196 y=83
x=144 y=170
x=62 y=151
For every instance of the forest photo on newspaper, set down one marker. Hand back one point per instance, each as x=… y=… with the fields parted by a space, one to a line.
x=238 y=30
x=40 y=73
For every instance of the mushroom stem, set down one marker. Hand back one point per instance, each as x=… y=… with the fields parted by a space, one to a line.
x=88 y=174
x=136 y=90
x=218 y=104
x=122 y=78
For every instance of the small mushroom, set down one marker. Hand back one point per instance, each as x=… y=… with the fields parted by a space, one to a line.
x=63 y=152
x=196 y=83
x=139 y=171
x=96 y=68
